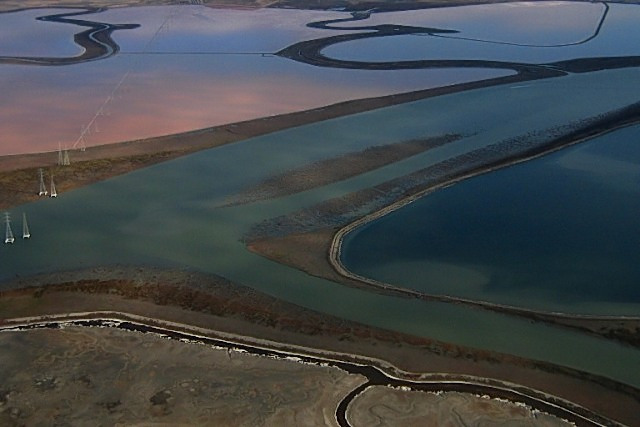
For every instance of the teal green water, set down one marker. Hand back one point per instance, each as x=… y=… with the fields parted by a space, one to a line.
x=170 y=214
x=559 y=233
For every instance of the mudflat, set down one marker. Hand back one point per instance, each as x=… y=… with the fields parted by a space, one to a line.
x=198 y=307
x=209 y=306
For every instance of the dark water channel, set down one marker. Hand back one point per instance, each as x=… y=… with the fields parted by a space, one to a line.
x=556 y=230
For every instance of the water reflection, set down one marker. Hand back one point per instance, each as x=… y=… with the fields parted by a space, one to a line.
x=182 y=29
x=531 y=23
x=165 y=90
x=175 y=220
x=95 y=43
x=400 y=46
x=560 y=230
x=22 y=35
x=169 y=215
x=192 y=67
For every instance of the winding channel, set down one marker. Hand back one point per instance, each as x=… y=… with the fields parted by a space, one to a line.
x=595 y=34
x=310 y=51
x=374 y=375
x=98 y=44
x=96 y=41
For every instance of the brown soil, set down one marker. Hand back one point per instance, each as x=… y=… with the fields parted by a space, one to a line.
x=411 y=408
x=337 y=169
x=219 y=305
x=309 y=253
x=303 y=239
x=105 y=376
x=19 y=177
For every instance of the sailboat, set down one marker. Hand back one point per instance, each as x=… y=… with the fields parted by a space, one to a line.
x=53 y=193
x=8 y=234
x=25 y=227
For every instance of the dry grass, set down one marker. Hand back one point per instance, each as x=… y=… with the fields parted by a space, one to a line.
x=21 y=186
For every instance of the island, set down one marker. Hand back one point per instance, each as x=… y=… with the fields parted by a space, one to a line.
x=205 y=276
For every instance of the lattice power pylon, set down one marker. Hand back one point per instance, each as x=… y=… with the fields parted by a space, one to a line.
x=43 y=188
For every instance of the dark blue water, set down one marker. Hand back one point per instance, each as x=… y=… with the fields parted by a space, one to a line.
x=559 y=230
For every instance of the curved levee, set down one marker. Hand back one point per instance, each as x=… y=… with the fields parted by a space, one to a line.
x=310 y=51
x=372 y=369
x=96 y=42
x=625 y=118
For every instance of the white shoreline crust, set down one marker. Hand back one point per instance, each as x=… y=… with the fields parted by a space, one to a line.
x=298 y=354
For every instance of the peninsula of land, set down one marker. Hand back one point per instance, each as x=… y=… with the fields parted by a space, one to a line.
x=356 y=364
x=213 y=310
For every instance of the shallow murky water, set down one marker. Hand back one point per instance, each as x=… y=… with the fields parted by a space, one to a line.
x=170 y=214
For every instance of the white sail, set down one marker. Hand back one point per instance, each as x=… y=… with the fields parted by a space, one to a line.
x=8 y=234
x=25 y=227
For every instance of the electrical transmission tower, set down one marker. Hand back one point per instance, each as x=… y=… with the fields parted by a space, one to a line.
x=43 y=189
